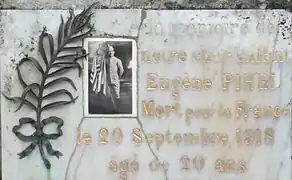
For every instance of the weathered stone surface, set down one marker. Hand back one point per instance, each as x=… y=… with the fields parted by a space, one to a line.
x=163 y=31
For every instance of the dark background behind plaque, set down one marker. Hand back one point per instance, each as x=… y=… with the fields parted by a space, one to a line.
x=148 y=4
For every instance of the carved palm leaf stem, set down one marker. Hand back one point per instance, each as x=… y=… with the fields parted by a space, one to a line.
x=76 y=28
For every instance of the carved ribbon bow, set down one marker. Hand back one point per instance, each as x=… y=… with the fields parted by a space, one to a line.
x=39 y=137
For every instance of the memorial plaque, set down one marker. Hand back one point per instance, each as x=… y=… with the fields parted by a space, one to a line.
x=163 y=95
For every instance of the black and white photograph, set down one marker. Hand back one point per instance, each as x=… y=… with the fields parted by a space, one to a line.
x=110 y=77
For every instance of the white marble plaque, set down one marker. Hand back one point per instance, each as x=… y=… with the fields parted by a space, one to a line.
x=164 y=95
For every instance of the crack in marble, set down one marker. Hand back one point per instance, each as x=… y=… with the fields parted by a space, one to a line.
x=73 y=152
x=151 y=149
x=289 y=103
x=274 y=47
x=79 y=163
x=275 y=43
x=279 y=170
x=143 y=17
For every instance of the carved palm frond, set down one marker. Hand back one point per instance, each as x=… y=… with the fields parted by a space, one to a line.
x=75 y=28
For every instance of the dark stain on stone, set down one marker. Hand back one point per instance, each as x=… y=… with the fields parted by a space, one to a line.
x=283 y=22
x=173 y=5
x=7 y=84
x=239 y=6
x=279 y=4
x=1 y=31
x=283 y=34
x=32 y=41
x=9 y=7
x=103 y=7
x=13 y=63
x=31 y=49
x=21 y=44
x=20 y=54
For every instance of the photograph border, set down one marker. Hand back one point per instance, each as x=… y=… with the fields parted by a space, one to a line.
x=85 y=80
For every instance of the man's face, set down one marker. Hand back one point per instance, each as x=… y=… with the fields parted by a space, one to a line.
x=112 y=51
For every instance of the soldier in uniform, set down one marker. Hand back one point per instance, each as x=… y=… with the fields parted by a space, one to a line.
x=116 y=70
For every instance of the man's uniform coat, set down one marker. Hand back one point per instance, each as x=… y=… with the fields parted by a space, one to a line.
x=116 y=70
